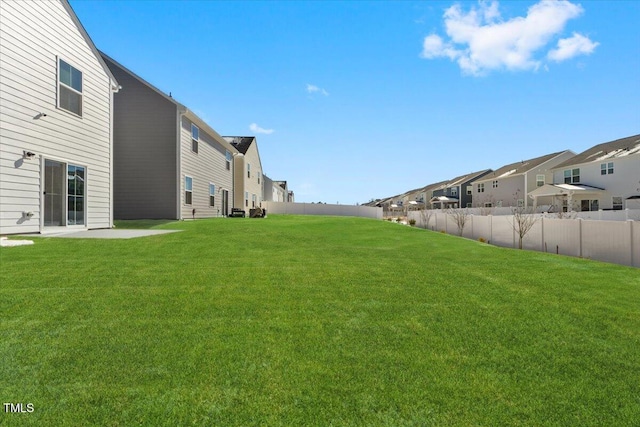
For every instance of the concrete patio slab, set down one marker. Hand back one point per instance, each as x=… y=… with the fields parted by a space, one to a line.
x=109 y=233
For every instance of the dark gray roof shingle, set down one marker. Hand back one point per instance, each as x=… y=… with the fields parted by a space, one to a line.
x=607 y=150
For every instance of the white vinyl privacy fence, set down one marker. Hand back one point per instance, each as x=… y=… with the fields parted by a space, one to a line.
x=610 y=241
x=321 y=209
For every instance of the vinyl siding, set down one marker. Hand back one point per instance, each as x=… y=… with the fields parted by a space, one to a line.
x=251 y=184
x=207 y=166
x=144 y=150
x=513 y=187
x=625 y=181
x=33 y=35
x=239 y=170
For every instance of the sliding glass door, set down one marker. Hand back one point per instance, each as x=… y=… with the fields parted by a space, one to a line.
x=53 y=193
x=64 y=202
x=75 y=195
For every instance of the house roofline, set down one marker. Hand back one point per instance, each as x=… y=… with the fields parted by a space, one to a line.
x=526 y=171
x=145 y=82
x=89 y=41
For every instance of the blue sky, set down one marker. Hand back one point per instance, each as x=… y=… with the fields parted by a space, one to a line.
x=358 y=100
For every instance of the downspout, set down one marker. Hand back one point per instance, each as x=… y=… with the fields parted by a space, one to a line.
x=114 y=89
x=526 y=192
x=233 y=180
x=180 y=113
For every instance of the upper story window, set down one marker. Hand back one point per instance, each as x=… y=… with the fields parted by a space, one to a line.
x=195 y=138
x=69 y=88
x=228 y=158
x=258 y=177
x=248 y=170
x=469 y=190
x=571 y=176
x=494 y=184
x=539 y=180
x=454 y=191
x=606 y=168
x=481 y=188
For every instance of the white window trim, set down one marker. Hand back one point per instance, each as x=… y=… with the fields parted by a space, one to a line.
x=607 y=170
x=188 y=191
x=195 y=140
x=59 y=82
x=212 y=195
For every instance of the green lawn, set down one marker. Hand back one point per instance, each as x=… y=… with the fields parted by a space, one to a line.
x=298 y=321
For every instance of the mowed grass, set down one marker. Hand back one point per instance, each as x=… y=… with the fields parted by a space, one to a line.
x=314 y=321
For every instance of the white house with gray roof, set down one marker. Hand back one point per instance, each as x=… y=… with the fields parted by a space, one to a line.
x=56 y=149
x=606 y=176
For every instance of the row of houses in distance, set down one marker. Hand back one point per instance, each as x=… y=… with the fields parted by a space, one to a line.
x=603 y=177
x=84 y=140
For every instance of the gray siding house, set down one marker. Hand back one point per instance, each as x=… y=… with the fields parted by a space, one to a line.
x=56 y=95
x=168 y=163
x=457 y=193
x=509 y=185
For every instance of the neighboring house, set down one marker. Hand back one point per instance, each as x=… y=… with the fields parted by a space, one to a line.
x=274 y=191
x=457 y=193
x=426 y=193
x=168 y=163
x=606 y=176
x=268 y=188
x=56 y=124
x=509 y=185
x=248 y=182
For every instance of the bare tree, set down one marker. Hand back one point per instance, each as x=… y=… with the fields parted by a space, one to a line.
x=523 y=219
x=460 y=217
x=484 y=209
x=425 y=216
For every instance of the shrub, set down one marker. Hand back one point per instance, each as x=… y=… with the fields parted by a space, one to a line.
x=482 y=240
x=412 y=222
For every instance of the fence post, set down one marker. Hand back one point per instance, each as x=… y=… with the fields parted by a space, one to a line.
x=631 y=247
x=491 y=228
x=580 y=237
x=542 y=234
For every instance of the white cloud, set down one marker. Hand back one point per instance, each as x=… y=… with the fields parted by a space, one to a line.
x=313 y=89
x=257 y=129
x=573 y=46
x=479 y=41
